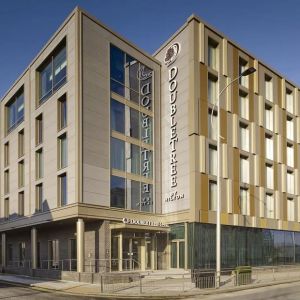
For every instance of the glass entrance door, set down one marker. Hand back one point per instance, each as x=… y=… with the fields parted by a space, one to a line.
x=177 y=254
x=131 y=253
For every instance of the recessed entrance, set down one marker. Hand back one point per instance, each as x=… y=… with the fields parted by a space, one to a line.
x=137 y=250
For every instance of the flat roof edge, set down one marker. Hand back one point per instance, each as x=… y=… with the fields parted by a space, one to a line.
x=222 y=35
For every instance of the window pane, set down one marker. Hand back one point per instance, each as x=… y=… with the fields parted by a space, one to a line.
x=212 y=90
x=63 y=151
x=212 y=126
x=244 y=169
x=290 y=128
x=133 y=158
x=59 y=68
x=117 y=156
x=212 y=195
x=146 y=160
x=46 y=80
x=244 y=109
x=244 y=201
x=117 y=192
x=270 y=177
x=147 y=197
x=244 y=138
x=290 y=155
x=63 y=189
x=269 y=118
x=212 y=54
x=289 y=101
x=213 y=162
x=117 y=64
x=133 y=194
x=134 y=129
x=20 y=108
x=269 y=148
x=62 y=112
x=146 y=129
x=117 y=116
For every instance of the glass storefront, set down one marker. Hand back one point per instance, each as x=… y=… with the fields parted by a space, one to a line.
x=242 y=246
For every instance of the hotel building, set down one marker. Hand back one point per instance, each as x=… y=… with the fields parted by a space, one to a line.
x=109 y=155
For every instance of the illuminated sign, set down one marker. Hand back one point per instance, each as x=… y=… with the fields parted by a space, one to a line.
x=170 y=57
x=143 y=222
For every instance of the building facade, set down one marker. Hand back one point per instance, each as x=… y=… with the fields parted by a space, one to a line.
x=109 y=155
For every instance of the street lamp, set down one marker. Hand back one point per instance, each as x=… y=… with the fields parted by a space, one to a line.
x=247 y=72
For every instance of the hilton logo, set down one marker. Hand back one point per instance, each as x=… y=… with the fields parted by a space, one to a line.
x=172 y=53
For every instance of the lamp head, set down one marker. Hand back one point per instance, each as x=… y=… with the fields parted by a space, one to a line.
x=248 y=71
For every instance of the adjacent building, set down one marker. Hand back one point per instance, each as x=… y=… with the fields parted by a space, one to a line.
x=109 y=155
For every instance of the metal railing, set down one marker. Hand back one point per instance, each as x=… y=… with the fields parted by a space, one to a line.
x=19 y=263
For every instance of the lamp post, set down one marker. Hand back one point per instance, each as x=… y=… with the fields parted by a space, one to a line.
x=247 y=72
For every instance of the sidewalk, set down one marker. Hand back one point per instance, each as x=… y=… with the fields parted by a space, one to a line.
x=163 y=288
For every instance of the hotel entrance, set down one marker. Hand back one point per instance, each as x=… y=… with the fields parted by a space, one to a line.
x=138 y=250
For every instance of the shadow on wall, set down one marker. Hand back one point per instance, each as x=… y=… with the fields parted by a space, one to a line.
x=45 y=210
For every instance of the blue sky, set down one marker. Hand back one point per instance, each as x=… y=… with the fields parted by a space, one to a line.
x=269 y=29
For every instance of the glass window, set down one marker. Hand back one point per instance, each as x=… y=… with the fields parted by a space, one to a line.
x=146 y=163
x=269 y=176
x=117 y=192
x=6 y=154
x=244 y=169
x=117 y=156
x=6 y=208
x=289 y=101
x=134 y=130
x=212 y=89
x=59 y=68
x=117 y=63
x=117 y=116
x=290 y=155
x=39 y=129
x=212 y=195
x=244 y=105
x=290 y=209
x=146 y=129
x=130 y=78
x=269 y=147
x=212 y=55
x=146 y=197
x=268 y=88
x=63 y=151
x=268 y=117
x=21 y=145
x=15 y=110
x=39 y=164
x=212 y=125
x=133 y=195
x=21 y=204
x=39 y=197
x=213 y=161
x=290 y=182
x=133 y=158
x=53 y=72
x=6 y=182
x=21 y=176
x=244 y=137
x=62 y=185
x=244 y=201
x=290 y=128
x=243 y=65
x=62 y=112
x=269 y=206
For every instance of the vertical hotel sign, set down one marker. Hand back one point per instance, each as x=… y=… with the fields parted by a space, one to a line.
x=170 y=57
